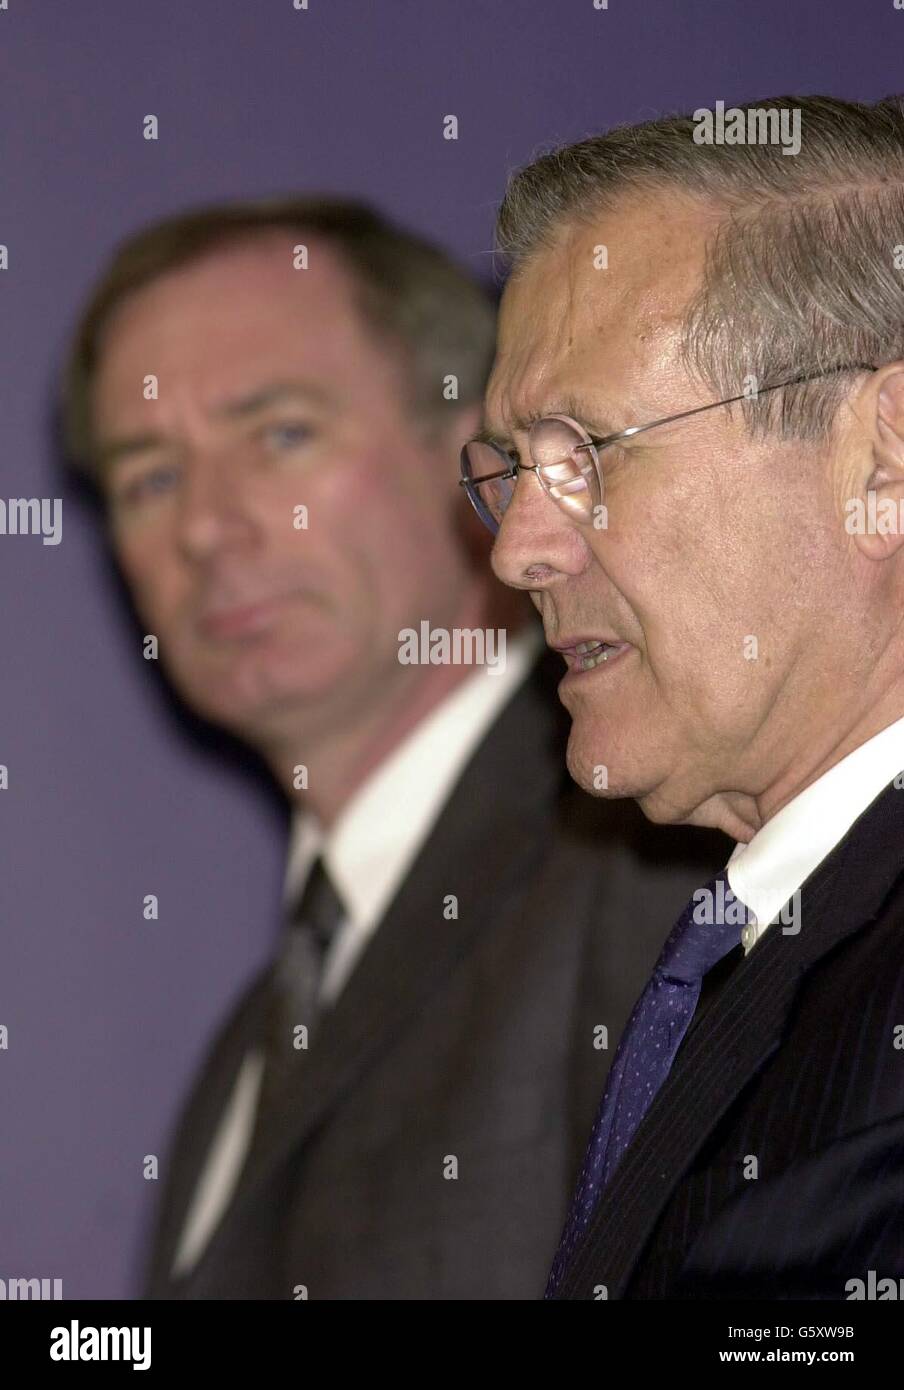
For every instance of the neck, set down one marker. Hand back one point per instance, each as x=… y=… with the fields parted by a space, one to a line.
x=339 y=758
x=742 y=815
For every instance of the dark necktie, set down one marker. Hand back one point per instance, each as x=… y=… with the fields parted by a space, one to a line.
x=707 y=930
x=293 y=999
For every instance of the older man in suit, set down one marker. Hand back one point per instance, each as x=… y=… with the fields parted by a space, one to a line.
x=694 y=456
x=273 y=399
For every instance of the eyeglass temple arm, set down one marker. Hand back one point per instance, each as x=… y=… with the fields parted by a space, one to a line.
x=682 y=415
x=503 y=473
x=729 y=400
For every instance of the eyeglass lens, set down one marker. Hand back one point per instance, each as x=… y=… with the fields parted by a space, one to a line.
x=565 y=466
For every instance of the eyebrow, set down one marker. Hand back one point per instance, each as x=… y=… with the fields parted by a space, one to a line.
x=596 y=418
x=253 y=403
x=273 y=394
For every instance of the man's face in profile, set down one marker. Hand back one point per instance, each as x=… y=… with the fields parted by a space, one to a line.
x=273 y=394
x=712 y=538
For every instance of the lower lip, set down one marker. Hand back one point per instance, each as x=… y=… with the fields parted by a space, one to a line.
x=574 y=675
x=242 y=622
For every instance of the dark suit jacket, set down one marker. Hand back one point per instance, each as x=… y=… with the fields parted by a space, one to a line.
x=795 y=1064
x=470 y=1038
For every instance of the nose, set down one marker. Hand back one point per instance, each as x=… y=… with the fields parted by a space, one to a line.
x=536 y=543
x=212 y=510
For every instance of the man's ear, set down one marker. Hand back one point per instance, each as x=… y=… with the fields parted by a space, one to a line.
x=875 y=518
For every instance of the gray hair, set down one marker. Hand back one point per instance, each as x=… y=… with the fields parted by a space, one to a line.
x=800 y=275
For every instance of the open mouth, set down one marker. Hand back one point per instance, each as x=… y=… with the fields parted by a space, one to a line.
x=590 y=654
x=586 y=656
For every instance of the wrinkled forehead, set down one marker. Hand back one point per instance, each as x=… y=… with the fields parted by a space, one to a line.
x=603 y=307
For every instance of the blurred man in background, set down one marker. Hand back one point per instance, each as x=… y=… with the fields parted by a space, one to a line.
x=272 y=399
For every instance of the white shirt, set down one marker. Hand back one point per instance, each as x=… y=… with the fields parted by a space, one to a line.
x=367 y=853
x=767 y=872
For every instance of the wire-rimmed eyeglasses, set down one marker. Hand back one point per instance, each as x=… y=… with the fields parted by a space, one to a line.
x=565 y=457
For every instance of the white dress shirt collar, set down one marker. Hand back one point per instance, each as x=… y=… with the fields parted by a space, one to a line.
x=767 y=872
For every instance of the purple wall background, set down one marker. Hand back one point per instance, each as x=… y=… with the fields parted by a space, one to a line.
x=112 y=795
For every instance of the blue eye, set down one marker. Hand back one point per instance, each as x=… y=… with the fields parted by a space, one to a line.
x=289 y=435
x=150 y=484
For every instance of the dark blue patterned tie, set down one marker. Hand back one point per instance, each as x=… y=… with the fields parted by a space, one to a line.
x=706 y=931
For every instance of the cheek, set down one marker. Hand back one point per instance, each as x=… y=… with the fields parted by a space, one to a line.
x=401 y=521
x=361 y=504
x=151 y=579
x=642 y=586
x=679 y=601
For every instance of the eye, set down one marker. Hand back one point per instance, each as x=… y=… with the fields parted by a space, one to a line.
x=509 y=456
x=153 y=483
x=285 y=435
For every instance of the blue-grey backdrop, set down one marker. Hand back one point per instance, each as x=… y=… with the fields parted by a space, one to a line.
x=111 y=794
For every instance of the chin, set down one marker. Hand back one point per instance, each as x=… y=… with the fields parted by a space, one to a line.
x=584 y=766
x=654 y=772
x=255 y=697
x=628 y=774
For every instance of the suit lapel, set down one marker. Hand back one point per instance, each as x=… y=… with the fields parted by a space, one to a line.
x=736 y=1036
x=483 y=844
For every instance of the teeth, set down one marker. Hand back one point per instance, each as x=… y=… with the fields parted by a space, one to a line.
x=590 y=654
